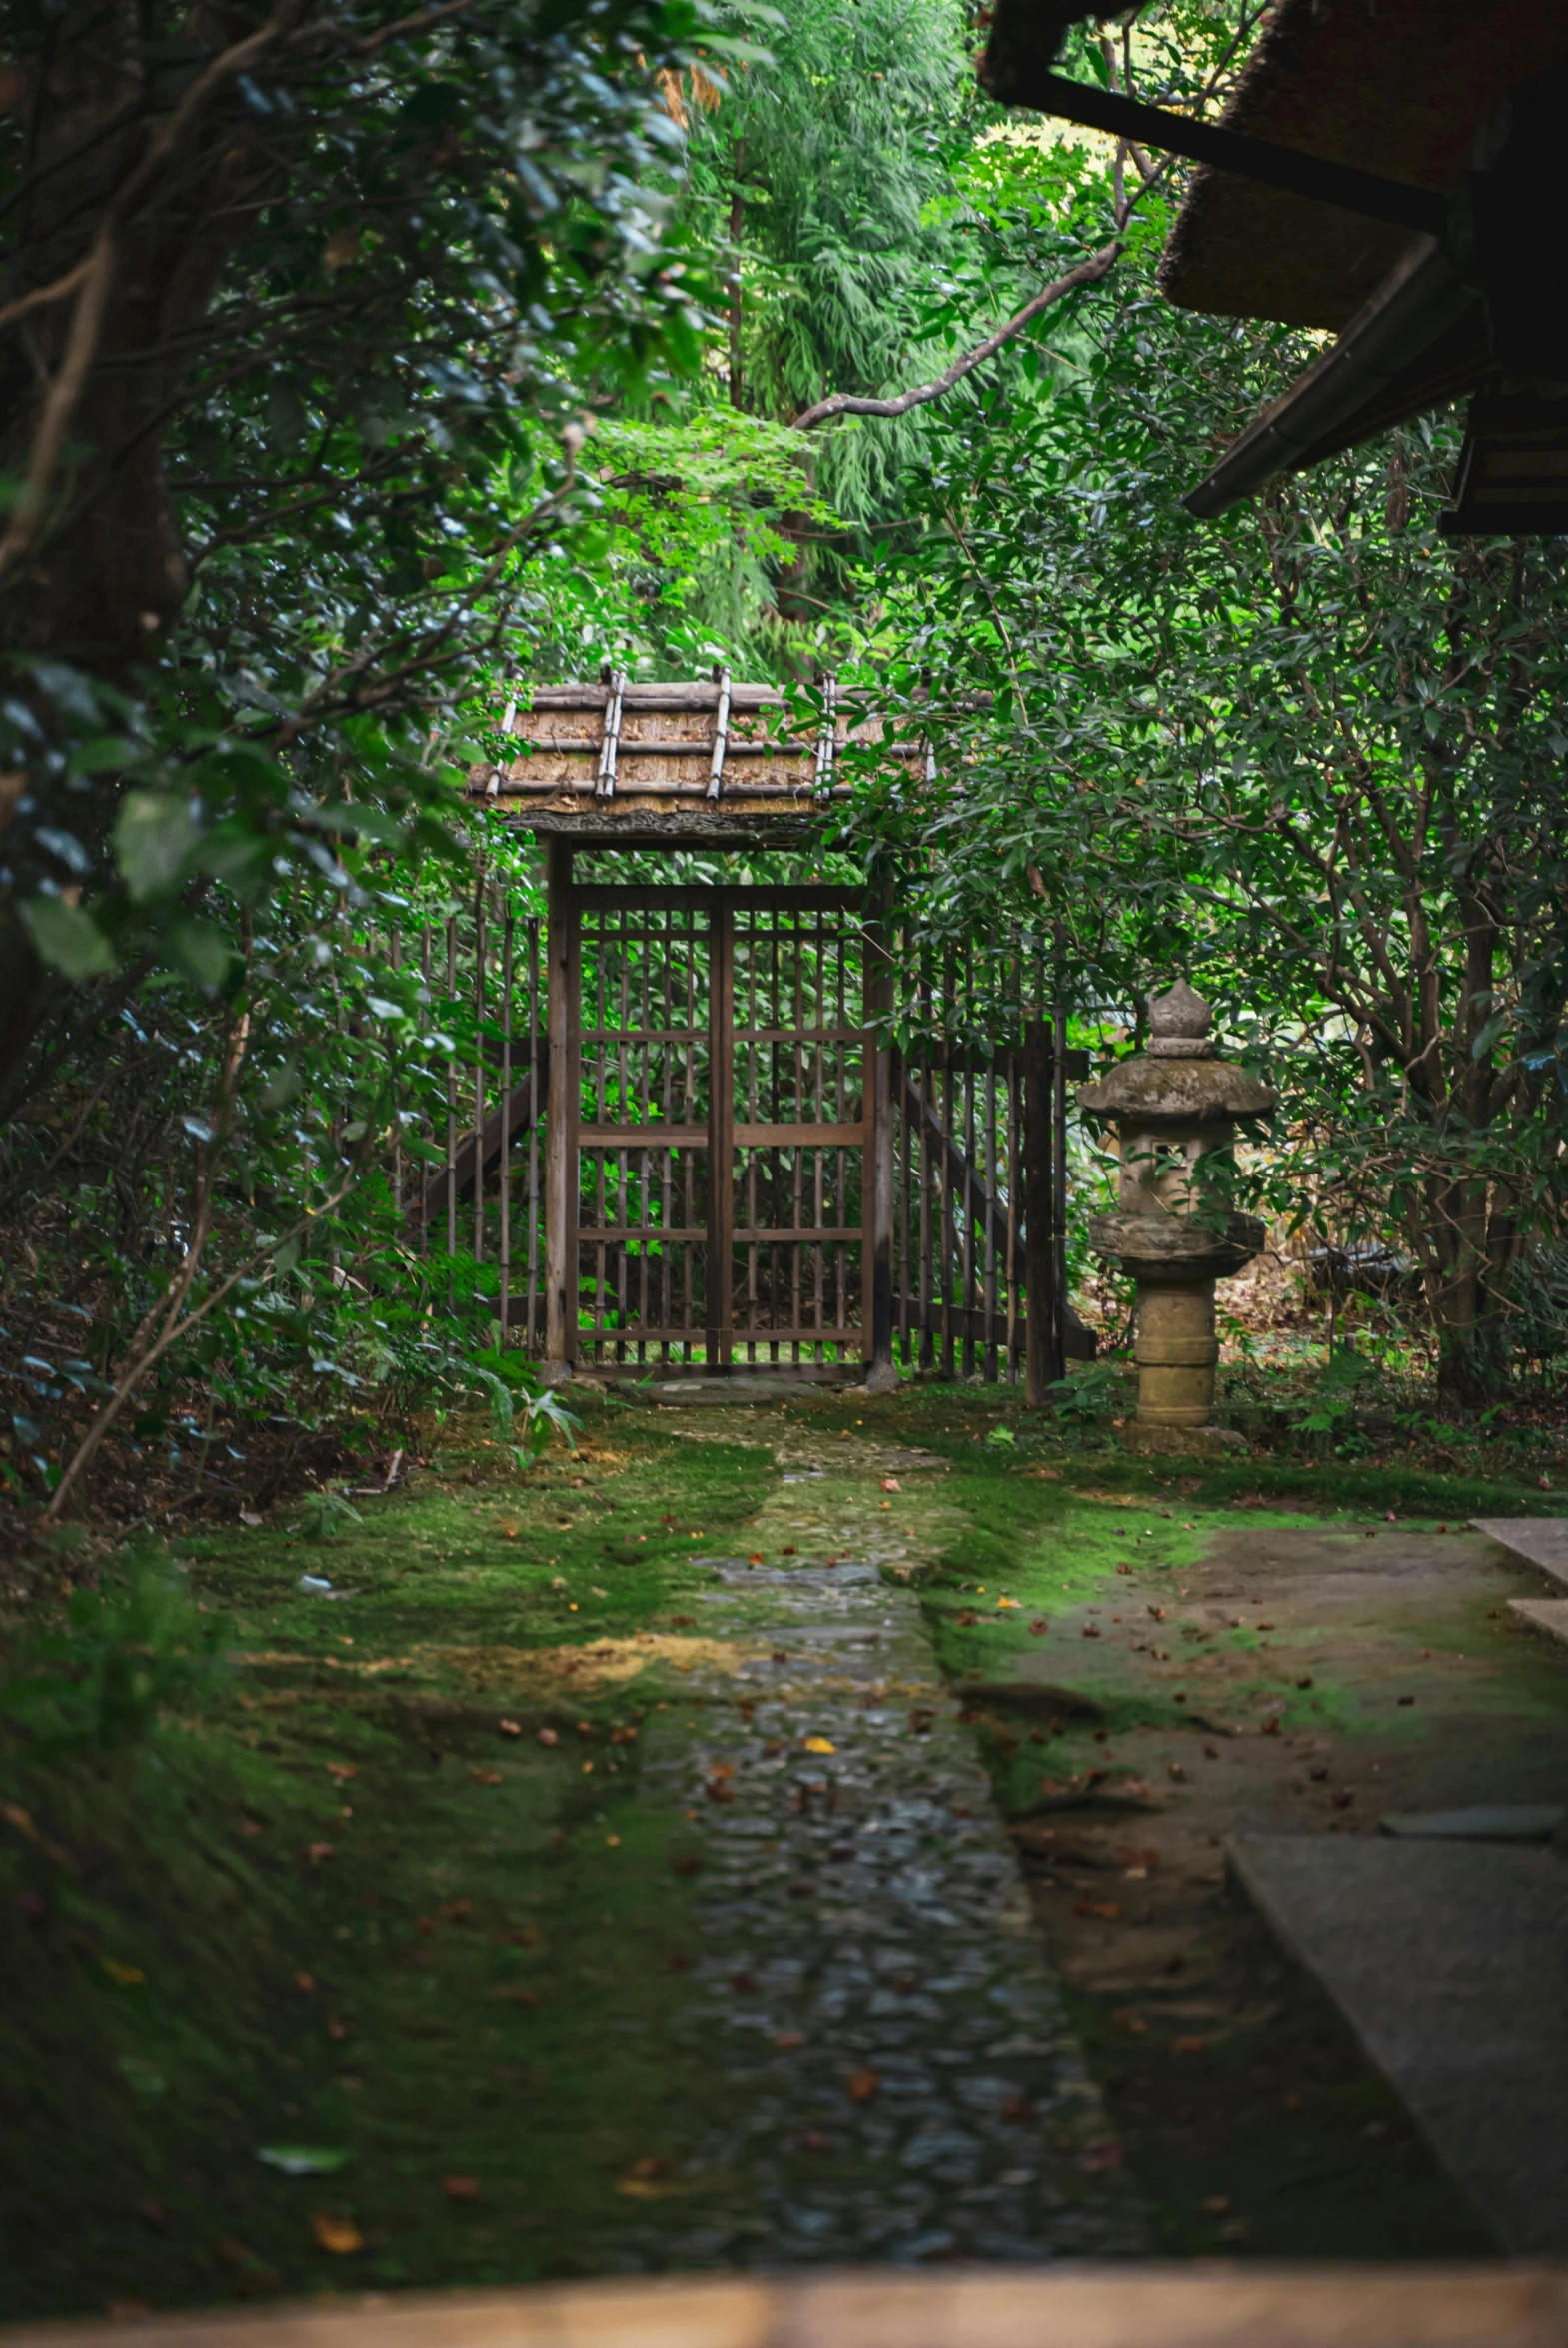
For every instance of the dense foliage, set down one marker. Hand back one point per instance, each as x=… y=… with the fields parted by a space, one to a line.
x=1312 y=755
x=358 y=367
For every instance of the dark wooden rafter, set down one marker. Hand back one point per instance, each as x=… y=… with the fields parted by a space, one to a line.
x=1343 y=184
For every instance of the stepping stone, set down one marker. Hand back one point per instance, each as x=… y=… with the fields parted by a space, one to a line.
x=1446 y=1958
x=1535 y=1822
x=1548 y=1614
x=1541 y=1542
x=727 y=1393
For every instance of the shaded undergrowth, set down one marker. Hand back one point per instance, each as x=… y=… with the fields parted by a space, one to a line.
x=347 y=1909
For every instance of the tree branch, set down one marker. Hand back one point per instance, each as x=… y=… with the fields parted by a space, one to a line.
x=849 y=404
x=96 y=274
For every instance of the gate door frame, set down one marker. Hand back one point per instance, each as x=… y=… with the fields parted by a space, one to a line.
x=721 y=1136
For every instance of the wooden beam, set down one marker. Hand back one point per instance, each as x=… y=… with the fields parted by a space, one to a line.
x=561 y=1119
x=718 y=1295
x=1486 y=2303
x=1042 y=1366
x=790 y=896
x=877 y=1176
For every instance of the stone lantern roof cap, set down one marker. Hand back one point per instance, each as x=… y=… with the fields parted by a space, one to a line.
x=1177 y=1081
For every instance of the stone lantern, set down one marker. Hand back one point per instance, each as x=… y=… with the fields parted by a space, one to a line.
x=1171 y=1106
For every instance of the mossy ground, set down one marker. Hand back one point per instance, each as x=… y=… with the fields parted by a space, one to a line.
x=334 y=1904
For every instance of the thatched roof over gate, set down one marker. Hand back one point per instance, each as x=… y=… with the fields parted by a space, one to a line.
x=706 y=761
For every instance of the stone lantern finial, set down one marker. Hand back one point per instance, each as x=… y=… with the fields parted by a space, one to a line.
x=1180 y=1021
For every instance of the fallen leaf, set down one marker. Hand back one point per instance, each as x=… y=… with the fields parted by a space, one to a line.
x=787 y=2040
x=1189 y=2045
x=1131 y=2021
x=1091 y=1630
x=127 y=1976
x=756 y=1559
x=820 y=1744
x=342 y=1770
x=303 y=2160
x=340 y=2235
x=337 y=2030
x=966 y=1619
x=1111 y=1909
x=864 y=2086
x=1038 y=1627
x=549 y=1736
x=1216 y=2204
x=508 y=1728
x=486 y=1776
x=890 y=1484
x=305 y=1981
x=461 y=2188
x=1003 y=1604
x=319 y=1852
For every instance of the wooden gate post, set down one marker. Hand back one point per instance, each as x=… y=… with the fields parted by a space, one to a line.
x=561 y=1120
x=876 y=1178
x=1043 y=1364
x=718 y=1330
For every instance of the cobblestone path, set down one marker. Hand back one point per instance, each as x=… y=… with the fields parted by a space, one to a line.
x=900 y=2079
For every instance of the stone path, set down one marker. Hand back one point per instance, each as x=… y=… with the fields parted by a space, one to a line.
x=903 y=2080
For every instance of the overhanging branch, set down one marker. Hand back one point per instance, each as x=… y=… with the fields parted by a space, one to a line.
x=851 y=404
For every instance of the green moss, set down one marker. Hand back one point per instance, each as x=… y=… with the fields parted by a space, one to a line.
x=487 y=1965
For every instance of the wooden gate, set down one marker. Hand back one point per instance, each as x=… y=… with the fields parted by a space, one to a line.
x=710 y=1154
x=712 y=1190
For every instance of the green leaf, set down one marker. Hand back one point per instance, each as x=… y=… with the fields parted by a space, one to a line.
x=201 y=951
x=67 y=936
x=368 y=823
x=153 y=836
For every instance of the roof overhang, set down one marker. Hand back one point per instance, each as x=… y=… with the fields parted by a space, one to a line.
x=1459 y=105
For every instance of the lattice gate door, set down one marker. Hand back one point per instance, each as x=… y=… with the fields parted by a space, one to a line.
x=718 y=1164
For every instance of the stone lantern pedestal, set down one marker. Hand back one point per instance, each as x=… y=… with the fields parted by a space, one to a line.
x=1171 y=1106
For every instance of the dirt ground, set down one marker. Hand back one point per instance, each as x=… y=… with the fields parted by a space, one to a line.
x=1403 y=1684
